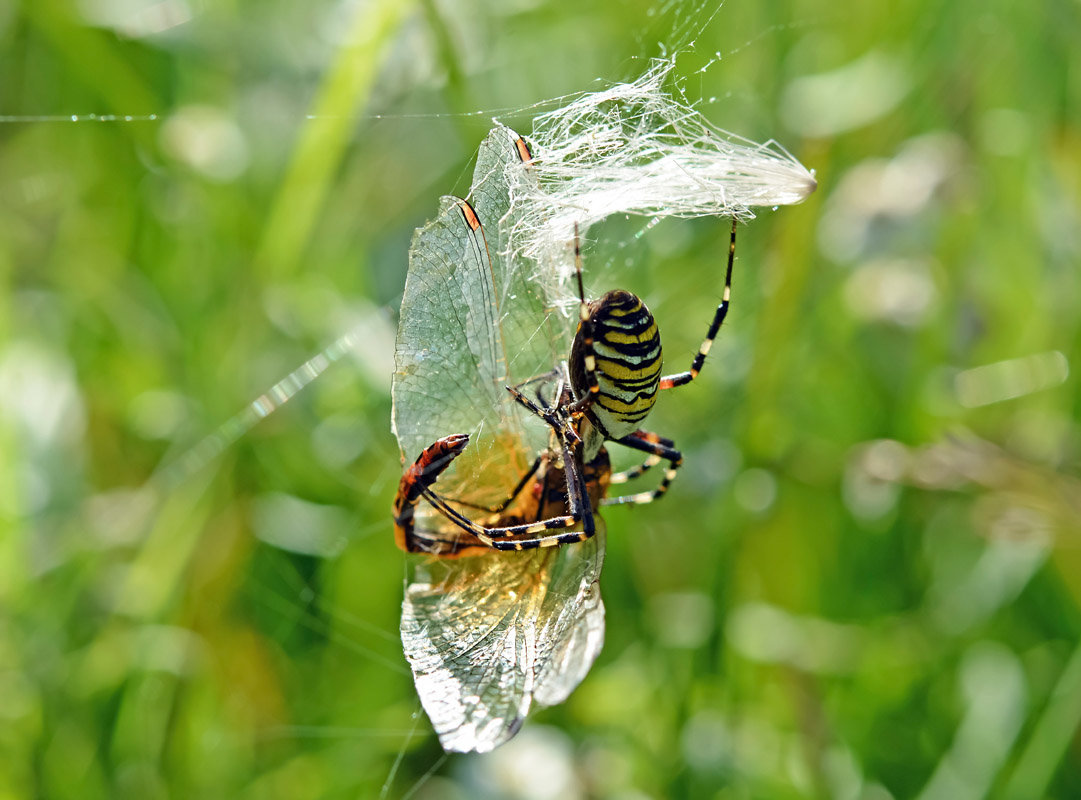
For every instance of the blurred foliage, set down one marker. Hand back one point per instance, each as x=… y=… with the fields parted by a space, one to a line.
x=866 y=582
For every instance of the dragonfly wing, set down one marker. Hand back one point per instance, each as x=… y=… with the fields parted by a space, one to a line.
x=488 y=637
x=537 y=333
x=577 y=626
x=450 y=366
x=474 y=320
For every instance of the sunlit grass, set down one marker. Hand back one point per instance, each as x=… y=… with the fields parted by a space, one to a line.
x=863 y=584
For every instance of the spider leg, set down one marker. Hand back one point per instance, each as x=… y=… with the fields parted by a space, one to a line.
x=585 y=324
x=555 y=416
x=525 y=536
x=417 y=482
x=658 y=448
x=681 y=378
x=552 y=375
x=540 y=407
x=517 y=490
x=652 y=460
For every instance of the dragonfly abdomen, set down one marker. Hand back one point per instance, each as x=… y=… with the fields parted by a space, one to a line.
x=430 y=464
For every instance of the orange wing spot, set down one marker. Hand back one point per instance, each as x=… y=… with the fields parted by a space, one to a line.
x=470 y=215
x=523 y=150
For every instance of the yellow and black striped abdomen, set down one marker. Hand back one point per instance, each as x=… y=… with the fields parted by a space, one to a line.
x=627 y=351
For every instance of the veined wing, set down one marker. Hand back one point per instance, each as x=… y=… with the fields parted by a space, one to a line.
x=450 y=365
x=488 y=637
x=472 y=321
x=537 y=335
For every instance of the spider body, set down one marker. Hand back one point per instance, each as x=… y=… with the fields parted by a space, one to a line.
x=622 y=337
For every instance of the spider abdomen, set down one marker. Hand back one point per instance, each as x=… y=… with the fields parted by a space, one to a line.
x=627 y=352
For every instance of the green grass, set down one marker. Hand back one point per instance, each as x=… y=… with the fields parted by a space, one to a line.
x=865 y=582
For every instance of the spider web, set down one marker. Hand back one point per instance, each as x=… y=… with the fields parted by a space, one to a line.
x=638 y=148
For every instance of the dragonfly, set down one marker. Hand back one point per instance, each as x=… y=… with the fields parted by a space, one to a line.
x=506 y=614
x=488 y=635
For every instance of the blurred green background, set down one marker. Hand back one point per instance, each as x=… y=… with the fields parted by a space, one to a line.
x=866 y=581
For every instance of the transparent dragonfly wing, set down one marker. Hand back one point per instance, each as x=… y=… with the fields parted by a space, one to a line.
x=536 y=332
x=472 y=322
x=450 y=363
x=488 y=637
